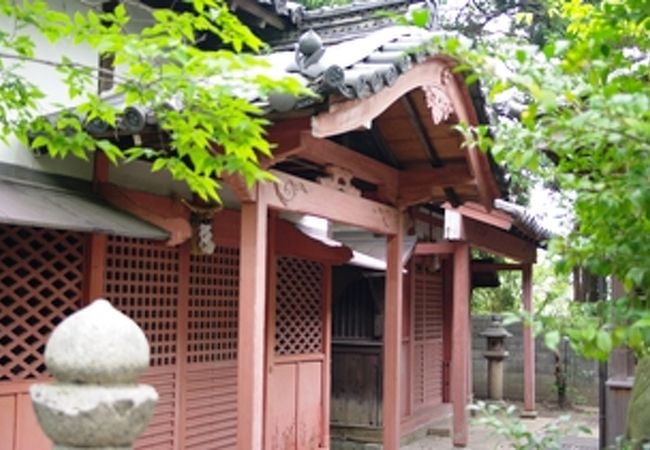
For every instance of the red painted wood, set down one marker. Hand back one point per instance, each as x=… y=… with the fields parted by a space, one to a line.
x=427 y=334
x=309 y=417
x=282 y=399
x=326 y=374
x=497 y=241
x=252 y=294
x=529 y=340
x=95 y=267
x=393 y=337
x=460 y=344
x=41 y=273
x=170 y=214
x=295 y=194
x=448 y=314
x=29 y=435
x=7 y=422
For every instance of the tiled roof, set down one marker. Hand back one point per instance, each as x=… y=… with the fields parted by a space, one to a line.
x=524 y=221
x=355 y=68
x=337 y=23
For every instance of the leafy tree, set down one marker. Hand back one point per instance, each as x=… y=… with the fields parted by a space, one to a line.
x=203 y=100
x=582 y=124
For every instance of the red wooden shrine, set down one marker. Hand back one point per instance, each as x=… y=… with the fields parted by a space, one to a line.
x=242 y=338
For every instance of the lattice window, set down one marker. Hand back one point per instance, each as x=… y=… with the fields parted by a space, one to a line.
x=142 y=281
x=298 y=310
x=41 y=274
x=213 y=304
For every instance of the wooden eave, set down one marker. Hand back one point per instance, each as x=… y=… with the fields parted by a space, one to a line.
x=424 y=160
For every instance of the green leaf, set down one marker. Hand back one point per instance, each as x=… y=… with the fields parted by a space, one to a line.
x=552 y=339
x=604 y=341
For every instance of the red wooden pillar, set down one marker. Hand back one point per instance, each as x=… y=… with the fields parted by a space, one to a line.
x=250 y=351
x=96 y=244
x=529 y=343
x=393 y=338
x=460 y=344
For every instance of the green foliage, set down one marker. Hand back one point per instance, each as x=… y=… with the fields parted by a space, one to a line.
x=505 y=422
x=504 y=298
x=584 y=127
x=216 y=129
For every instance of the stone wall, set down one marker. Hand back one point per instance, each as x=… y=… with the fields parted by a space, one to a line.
x=582 y=374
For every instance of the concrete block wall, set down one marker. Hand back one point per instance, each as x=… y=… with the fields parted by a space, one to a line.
x=582 y=374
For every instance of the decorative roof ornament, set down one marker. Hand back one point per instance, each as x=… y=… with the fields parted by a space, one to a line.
x=438 y=103
x=309 y=50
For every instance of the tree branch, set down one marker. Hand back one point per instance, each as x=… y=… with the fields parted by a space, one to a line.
x=57 y=64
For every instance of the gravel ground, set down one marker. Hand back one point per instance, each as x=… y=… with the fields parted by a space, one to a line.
x=482 y=438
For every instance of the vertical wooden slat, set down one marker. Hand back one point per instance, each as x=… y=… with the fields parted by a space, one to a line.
x=460 y=344
x=7 y=422
x=411 y=381
x=529 y=343
x=448 y=314
x=181 y=343
x=252 y=287
x=271 y=308
x=327 y=349
x=393 y=338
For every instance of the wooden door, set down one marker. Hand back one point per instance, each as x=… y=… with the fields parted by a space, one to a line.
x=187 y=307
x=427 y=331
x=297 y=396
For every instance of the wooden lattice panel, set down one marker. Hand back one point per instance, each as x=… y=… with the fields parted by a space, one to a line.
x=41 y=274
x=142 y=281
x=299 y=295
x=212 y=312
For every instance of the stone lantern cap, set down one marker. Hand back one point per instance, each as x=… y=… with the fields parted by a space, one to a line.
x=496 y=329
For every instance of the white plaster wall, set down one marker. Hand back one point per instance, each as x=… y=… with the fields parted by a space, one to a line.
x=49 y=80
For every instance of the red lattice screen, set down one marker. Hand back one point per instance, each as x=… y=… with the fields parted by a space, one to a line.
x=427 y=333
x=212 y=312
x=142 y=281
x=298 y=309
x=41 y=275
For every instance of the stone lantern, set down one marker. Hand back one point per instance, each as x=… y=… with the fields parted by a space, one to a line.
x=495 y=353
x=95 y=356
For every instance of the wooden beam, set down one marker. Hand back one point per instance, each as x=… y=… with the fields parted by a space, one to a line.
x=529 y=343
x=285 y=137
x=349 y=115
x=238 y=185
x=384 y=149
x=418 y=185
x=164 y=212
x=420 y=131
x=478 y=212
x=464 y=107
x=250 y=350
x=495 y=267
x=393 y=305
x=295 y=194
x=434 y=248
x=498 y=241
x=289 y=240
x=325 y=152
x=460 y=345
